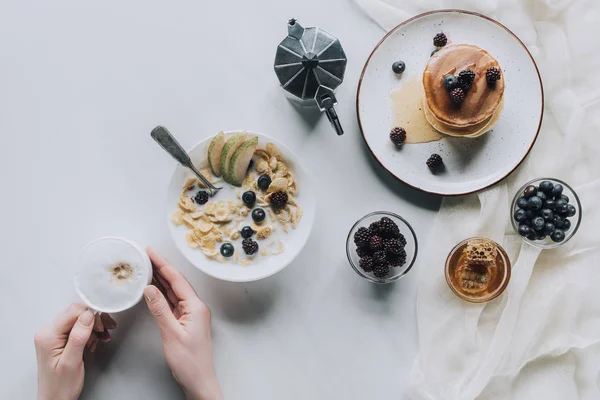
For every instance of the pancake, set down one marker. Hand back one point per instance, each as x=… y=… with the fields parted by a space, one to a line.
x=472 y=131
x=481 y=102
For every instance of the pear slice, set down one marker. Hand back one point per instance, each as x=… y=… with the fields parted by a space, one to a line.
x=238 y=165
x=214 y=153
x=229 y=148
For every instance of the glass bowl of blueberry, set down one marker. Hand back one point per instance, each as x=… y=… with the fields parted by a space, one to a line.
x=546 y=212
x=381 y=247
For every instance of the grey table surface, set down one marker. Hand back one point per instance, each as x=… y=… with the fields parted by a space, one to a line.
x=81 y=85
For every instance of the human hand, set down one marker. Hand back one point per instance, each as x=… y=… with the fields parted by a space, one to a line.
x=59 y=349
x=184 y=323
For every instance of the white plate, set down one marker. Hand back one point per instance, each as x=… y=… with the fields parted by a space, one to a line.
x=261 y=267
x=471 y=164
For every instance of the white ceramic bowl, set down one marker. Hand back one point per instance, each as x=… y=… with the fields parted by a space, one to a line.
x=471 y=164
x=262 y=267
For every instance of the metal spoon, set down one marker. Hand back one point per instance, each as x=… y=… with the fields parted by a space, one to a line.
x=165 y=140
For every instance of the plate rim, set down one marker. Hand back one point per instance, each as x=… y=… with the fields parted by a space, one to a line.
x=441 y=11
x=285 y=264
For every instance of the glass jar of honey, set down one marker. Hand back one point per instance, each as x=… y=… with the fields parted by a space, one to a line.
x=478 y=270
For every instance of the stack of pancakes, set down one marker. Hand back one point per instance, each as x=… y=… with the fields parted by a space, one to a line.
x=480 y=110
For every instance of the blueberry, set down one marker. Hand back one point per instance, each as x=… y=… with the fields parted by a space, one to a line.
x=546 y=187
x=534 y=203
x=561 y=206
x=398 y=67
x=258 y=215
x=264 y=181
x=557 y=190
x=547 y=214
x=558 y=221
x=557 y=236
x=566 y=225
x=540 y=236
x=537 y=223
x=550 y=204
x=530 y=191
x=530 y=214
x=548 y=228
x=520 y=215
x=532 y=236
x=565 y=198
x=541 y=195
x=522 y=202
x=571 y=210
x=524 y=230
x=249 y=198
x=227 y=249
x=450 y=82
x=247 y=232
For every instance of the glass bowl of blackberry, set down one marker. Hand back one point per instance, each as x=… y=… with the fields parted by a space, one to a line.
x=546 y=212
x=381 y=247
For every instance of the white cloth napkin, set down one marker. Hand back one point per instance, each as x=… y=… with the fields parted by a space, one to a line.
x=541 y=338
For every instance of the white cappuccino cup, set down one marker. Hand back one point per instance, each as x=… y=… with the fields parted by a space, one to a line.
x=111 y=274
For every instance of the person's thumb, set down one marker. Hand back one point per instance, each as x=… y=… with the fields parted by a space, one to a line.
x=78 y=337
x=158 y=306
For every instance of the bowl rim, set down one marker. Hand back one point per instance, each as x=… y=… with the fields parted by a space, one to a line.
x=311 y=221
x=363 y=274
x=498 y=291
x=574 y=229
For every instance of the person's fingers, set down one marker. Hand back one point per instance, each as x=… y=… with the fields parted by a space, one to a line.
x=103 y=336
x=78 y=338
x=181 y=287
x=108 y=321
x=98 y=324
x=92 y=342
x=166 y=289
x=159 y=307
x=64 y=322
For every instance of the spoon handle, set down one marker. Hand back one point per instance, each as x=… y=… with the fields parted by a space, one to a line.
x=165 y=140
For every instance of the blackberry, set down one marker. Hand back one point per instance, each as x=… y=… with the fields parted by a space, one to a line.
x=381 y=270
x=466 y=78
x=440 y=40
x=402 y=240
x=250 y=246
x=374 y=228
x=247 y=232
x=279 y=199
x=227 y=250
x=366 y=263
x=388 y=228
x=398 y=136
x=457 y=95
x=392 y=246
x=363 y=251
x=201 y=197
x=375 y=243
x=492 y=75
x=397 y=260
x=379 y=257
x=361 y=237
x=435 y=162
x=263 y=182
x=249 y=198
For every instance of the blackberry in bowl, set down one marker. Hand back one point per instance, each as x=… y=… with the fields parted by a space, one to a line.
x=381 y=247
x=546 y=212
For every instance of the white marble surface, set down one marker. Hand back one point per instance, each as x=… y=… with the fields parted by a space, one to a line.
x=81 y=86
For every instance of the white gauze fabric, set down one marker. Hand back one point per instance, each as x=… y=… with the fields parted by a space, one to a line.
x=541 y=338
